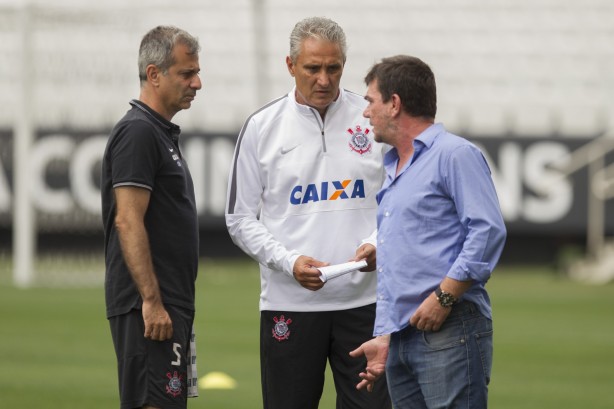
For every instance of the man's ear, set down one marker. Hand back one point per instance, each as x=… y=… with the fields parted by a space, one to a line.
x=153 y=74
x=290 y=65
x=397 y=105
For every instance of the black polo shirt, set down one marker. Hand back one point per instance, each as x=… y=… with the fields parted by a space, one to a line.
x=143 y=151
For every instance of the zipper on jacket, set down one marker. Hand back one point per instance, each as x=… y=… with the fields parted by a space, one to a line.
x=321 y=125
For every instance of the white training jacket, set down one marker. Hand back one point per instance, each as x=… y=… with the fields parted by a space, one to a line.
x=302 y=186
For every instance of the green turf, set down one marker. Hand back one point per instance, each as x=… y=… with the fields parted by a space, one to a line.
x=554 y=343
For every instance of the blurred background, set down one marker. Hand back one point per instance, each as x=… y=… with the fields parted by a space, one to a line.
x=530 y=81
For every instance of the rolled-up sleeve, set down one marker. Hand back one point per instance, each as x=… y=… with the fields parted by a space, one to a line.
x=473 y=191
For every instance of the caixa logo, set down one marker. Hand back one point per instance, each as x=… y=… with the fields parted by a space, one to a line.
x=337 y=189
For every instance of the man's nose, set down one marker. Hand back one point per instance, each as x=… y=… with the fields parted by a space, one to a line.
x=197 y=82
x=323 y=78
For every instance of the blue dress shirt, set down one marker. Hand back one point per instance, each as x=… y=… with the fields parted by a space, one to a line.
x=438 y=217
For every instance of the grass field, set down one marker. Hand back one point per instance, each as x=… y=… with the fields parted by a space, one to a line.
x=554 y=343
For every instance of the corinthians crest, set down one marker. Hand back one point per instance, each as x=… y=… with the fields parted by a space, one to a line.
x=175 y=384
x=281 y=332
x=359 y=142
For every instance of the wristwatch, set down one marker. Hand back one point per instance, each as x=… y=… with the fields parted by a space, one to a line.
x=445 y=299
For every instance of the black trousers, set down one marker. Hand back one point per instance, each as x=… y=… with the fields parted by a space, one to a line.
x=294 y=350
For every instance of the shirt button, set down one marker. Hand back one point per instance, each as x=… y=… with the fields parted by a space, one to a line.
x=387 y=214
x=381 y=270
x=381 y=241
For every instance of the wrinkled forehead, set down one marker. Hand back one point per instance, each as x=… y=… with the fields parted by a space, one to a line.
x=314 y=49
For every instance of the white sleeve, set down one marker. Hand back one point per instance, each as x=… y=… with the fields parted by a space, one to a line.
x=245 y=187
x=372 y=239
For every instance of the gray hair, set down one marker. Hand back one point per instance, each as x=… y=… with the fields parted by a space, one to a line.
x=157 y=48
x=316 y=27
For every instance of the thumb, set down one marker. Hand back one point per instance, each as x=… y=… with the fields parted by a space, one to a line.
x=357 y=352
x=360 y=254
x=318 y=263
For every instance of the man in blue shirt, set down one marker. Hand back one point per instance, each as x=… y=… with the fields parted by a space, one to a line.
x=440 y=235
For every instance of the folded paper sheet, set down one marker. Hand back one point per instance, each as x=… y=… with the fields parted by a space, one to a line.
x=336 y=270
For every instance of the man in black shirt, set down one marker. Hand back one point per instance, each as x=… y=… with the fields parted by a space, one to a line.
x=151 y=228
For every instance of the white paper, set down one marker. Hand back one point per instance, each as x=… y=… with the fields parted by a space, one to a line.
x=336 y=270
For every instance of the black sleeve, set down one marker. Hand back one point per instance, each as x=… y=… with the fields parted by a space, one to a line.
x=135 y=155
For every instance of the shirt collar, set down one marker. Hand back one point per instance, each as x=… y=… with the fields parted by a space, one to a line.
x=428 y=136
x=422 y=142
x=173 y=129
x=306 y=109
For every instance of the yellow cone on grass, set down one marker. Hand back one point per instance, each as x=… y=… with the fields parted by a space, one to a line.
x=217 y=380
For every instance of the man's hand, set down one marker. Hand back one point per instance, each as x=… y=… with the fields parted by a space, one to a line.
x=306 y=273
x=367 y=252
x=430 y=315
x=158 y=324
x=376 y=352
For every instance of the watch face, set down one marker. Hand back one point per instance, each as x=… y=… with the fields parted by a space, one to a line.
x=446 y=299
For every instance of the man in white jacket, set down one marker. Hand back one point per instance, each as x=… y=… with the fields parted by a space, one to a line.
x=301 y=195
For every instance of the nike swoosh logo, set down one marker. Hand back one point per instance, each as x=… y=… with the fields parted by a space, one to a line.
x=286 y=150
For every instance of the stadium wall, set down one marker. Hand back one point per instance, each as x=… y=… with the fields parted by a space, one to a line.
x=530 y=81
